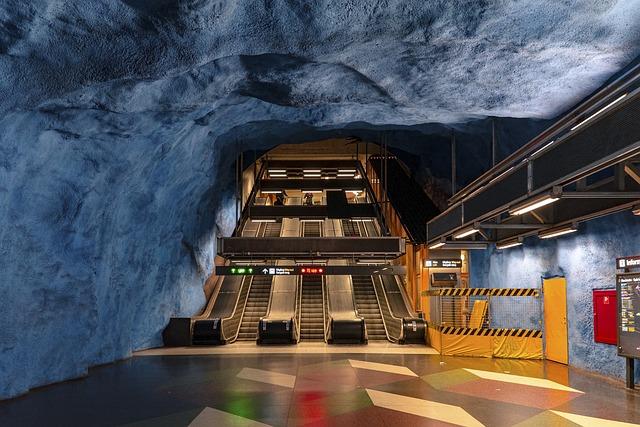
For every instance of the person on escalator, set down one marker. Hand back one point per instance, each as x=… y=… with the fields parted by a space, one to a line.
x=308 y=199
x=280 y=198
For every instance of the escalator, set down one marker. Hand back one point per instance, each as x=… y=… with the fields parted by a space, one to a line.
x=256 y=307
x=402 y=323
x=350 y=228
x=218 y=323
x=345 y=325
x=367 y=304
x=312 y=318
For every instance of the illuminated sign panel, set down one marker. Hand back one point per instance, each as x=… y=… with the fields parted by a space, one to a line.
x=628 y=262
x=298 y=270
x=443 y=263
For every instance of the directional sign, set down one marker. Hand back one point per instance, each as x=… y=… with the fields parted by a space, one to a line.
x=443 y=263
x=299 y=270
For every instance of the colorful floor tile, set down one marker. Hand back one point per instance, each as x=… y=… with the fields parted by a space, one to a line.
x=327 y=389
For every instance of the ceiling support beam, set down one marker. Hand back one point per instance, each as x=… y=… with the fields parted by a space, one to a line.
x=507 y=226
x=601 y=195
x=632 y=171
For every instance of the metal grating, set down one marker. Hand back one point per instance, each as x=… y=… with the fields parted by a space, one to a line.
x=611 y=134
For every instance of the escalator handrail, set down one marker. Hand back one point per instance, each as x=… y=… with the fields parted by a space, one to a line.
x=327 y=326
x=228 y=319
x=405 y=297
x=298 y=313
x=386 y=302
x=324 y=310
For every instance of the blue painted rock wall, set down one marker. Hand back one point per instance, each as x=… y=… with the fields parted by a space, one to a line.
x=587 y=260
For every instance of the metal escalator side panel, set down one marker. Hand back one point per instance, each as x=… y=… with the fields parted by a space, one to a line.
x=413 y=328
x=208 y=331
x=278 y=324
x=346 y=325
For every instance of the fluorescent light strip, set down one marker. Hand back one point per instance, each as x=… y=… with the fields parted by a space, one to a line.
x=543 y=148
x=313 y=191
x=559 y=232
x=271 y=191
x=507 y=245
x=277 y=175
x=436 y=245
x=311 y=220
x=263 y=220
x=501 y=175
x=547 y=200
x=347 y=170
x=465 y=233
x=277 y=170
x=311 y=171
x=600 y=111
x=363 y=220
x=345 y=175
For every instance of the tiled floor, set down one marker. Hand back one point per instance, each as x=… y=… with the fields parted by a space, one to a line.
x=317 y=389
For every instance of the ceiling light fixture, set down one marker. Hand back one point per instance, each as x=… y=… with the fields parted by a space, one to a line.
x=508 y=244
x=436 y=245
x=558 y=231
x=277 y=171
x=465 y=233
x=271 y=191
x=536 y=202
x=263 y=220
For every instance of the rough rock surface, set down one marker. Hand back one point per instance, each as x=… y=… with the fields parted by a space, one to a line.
x=119 y=121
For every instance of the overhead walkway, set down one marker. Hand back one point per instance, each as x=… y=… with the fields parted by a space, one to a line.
x=584 y=166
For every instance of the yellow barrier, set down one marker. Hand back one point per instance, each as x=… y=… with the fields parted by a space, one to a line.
x=485 y=342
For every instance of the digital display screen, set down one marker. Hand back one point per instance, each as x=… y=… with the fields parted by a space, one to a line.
x=628 y=293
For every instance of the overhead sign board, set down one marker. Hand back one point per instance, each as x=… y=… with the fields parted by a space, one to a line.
x=295 y=270
x=628 y=294
x=443 y=263
x=628 y=262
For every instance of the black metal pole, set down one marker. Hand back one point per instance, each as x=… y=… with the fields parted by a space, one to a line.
x=453 y=162
x=630 y=371
x=493 y=142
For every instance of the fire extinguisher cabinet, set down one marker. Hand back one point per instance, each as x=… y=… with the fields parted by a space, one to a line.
x=605 y=311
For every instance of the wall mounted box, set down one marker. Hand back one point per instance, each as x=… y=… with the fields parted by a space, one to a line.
x=605 y=310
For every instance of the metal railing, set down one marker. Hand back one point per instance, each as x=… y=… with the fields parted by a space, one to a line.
x=326 y=312
x=298 y=312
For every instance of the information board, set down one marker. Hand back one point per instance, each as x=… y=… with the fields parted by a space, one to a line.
x=443 y=263
x=628 y=293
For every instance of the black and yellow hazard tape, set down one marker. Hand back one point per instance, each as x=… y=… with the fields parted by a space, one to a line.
x=492 y=332
x=489 y=292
